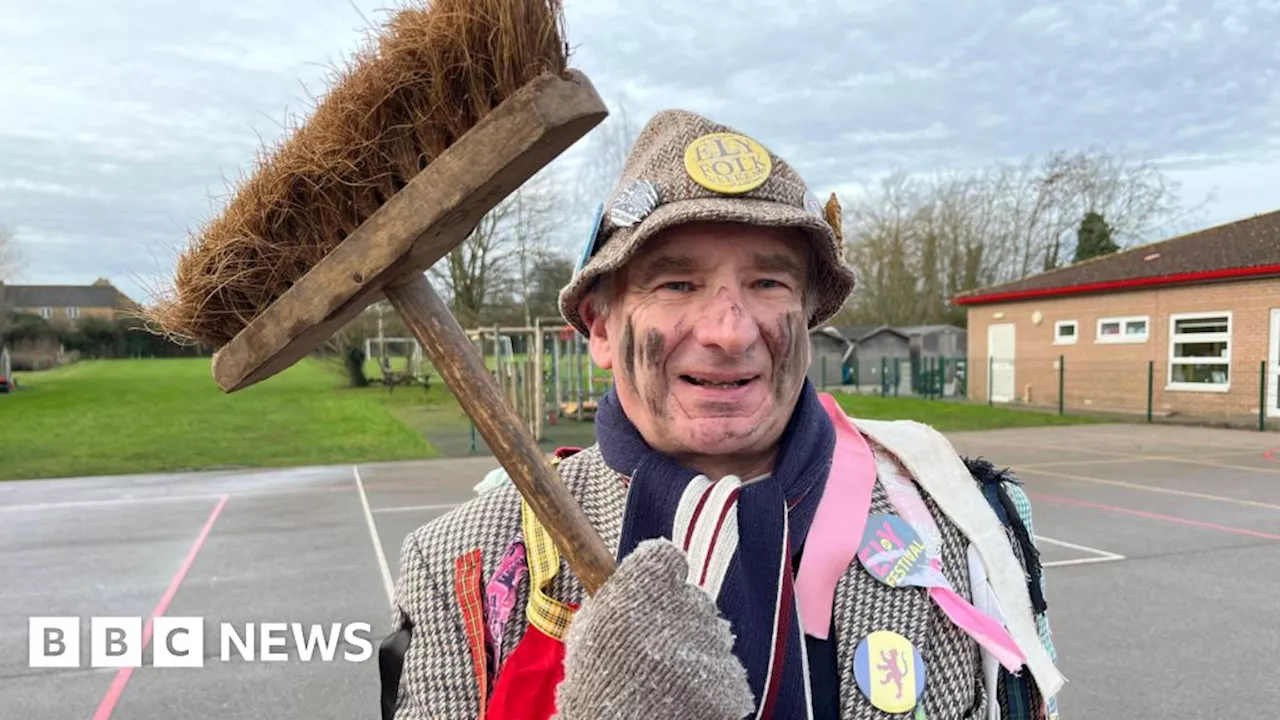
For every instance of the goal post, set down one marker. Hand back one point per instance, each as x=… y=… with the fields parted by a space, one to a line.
x=379 y=350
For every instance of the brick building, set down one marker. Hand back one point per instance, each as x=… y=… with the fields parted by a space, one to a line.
x=67 y=303
x=1181 y=327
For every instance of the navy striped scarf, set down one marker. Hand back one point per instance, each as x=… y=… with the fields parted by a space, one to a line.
x=774 y=516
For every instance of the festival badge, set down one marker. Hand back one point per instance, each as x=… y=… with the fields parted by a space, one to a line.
x=589 y=247
x=893 y=552
x=727 y=163
x=889 y=671
x=634 y=203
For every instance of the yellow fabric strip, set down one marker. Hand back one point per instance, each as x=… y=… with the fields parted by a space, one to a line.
x=545 y=613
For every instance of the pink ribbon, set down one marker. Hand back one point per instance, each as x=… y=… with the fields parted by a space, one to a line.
x=987 y=632
x=836 y=533
x=837 y=526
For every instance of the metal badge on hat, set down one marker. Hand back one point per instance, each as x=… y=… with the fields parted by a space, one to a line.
x=634 y=203
x=727 y=163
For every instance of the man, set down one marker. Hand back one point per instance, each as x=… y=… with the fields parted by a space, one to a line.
x=776 y=558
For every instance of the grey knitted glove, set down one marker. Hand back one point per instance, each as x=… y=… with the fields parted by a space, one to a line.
x=651 y=645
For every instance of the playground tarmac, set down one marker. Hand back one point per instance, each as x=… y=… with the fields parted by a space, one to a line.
x=1163 y=547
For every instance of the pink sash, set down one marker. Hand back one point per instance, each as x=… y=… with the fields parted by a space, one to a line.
x=837 y=531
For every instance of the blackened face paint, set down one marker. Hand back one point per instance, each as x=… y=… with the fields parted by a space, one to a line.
x=786 y=353
x=654 y=343
x=629 y=351
x=655 y=395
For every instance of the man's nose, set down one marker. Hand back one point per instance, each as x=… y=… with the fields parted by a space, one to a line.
x=727 y=324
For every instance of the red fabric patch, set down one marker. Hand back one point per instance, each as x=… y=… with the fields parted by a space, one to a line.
x=526 y=688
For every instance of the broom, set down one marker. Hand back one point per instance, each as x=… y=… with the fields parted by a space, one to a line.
x=449 y=110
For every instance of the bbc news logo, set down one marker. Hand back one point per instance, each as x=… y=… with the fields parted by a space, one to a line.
x=178 y=642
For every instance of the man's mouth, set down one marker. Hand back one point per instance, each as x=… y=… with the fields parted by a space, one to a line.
x=718 y=382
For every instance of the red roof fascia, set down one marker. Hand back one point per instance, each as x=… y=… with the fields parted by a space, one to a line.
x=1176 y=279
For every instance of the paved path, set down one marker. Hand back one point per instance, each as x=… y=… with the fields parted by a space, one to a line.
x=1163 y=545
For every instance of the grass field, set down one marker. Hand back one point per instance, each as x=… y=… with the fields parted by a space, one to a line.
x=133 y=416
x=109 y=417
x=949 y=415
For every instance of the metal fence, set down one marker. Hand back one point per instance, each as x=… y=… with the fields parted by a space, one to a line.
x=931 y=377
x=1235 y=392
x=1241 y=393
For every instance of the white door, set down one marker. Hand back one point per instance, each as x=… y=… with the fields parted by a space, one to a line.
x=1273 y=367
x=1000 y=342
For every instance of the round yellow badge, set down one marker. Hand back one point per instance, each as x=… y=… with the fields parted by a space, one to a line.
x=727 y=163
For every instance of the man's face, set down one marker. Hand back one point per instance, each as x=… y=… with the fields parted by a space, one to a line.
x=707 y=338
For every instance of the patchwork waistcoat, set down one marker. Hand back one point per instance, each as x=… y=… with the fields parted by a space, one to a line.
x=442 y=678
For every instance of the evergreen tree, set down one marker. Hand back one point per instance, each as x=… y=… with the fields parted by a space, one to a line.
x=1093 y=239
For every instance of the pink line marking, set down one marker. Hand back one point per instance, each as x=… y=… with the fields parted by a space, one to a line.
x=1156 y=516
x=108 y=704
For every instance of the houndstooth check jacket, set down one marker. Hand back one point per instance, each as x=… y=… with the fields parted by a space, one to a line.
x=437 y=680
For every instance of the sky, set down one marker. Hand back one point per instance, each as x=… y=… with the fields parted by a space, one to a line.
x=122 y=122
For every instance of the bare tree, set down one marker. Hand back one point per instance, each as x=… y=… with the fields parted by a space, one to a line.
x=881 y=226
x=468 y=273
x=604 y=155
x=496 y=262
x=534 y=219
x=917 y=241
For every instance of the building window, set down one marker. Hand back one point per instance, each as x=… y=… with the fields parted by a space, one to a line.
x=1200 y=351
x=1065 y=332
x=73 y=312
x=46 y=313
x=1123 y=330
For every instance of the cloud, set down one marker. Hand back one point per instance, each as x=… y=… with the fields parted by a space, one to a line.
x=124 y=120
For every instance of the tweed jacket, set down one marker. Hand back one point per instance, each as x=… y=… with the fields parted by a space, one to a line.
x=438 y=678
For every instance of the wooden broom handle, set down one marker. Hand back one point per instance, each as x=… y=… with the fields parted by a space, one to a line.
x=457 y=361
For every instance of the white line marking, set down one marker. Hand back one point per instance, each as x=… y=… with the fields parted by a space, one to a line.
x=1128 y=456
x=1146 y=488
x=377 y=543
x=413 y=508
x=109 y=501
x=1200 y=459
x=1082 y=548
x=1081 y=561
x=60 y=505
x=1102 y=555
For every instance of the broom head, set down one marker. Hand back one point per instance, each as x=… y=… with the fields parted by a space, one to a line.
x=419 y=86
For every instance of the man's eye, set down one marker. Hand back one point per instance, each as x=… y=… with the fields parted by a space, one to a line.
x=769 y=283
x=678 y=285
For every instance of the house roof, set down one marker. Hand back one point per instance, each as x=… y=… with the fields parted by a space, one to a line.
x=883 y=329
x=831 y=332
x=857 y=332
x=922 y=329
x=1241 y=249
x=834 y=334
x=82 y=296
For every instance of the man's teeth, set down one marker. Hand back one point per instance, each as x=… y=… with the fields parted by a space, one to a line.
x=708 y=383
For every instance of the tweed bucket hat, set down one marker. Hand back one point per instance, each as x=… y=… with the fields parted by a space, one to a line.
x=686 y=168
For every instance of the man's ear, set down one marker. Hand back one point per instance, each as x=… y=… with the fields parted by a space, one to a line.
x=598 y=342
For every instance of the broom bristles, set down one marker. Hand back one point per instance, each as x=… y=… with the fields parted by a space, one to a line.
x=427 y=79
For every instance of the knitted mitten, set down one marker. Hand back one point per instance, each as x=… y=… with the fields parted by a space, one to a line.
x=651 y=645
